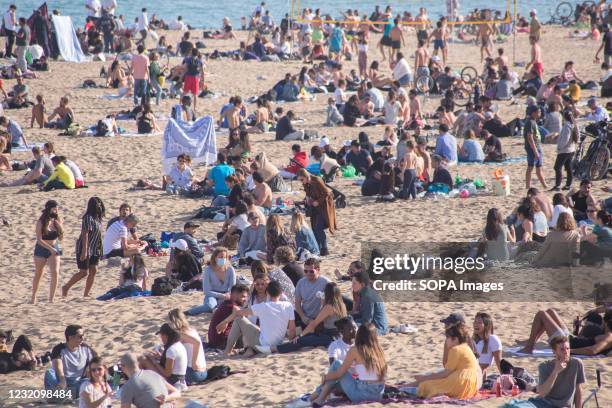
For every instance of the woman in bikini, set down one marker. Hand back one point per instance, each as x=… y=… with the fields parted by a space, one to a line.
x=47 y=252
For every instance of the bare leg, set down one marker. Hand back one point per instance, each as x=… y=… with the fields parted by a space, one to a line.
x=557 y=319
x=39 y=265
x=54 y=267
x=325 y=391
x=75 y=278
x=541 y=177
x=543 y=322
x=528 y=177
x=90 y=279
x=382 y=50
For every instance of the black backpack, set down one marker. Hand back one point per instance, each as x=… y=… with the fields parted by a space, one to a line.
x=163 y=286
x=217 y=372
x=102 y=128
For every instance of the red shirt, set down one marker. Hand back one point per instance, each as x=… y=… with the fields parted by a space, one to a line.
x=222 y=312
x=302 y=159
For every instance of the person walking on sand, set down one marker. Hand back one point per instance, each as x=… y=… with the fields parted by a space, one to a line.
x=10 y=29
x=88 y=246
x=485 y=35
x=47 y=252
x=533 y=146
x=143 y=27
x=535 y=64
x=397 y=39
x=140 y=72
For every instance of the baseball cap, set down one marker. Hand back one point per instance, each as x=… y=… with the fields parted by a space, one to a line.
x=347 y=143
x=435 y=58
x=533 y=11
x=531 y=109
x=323 y=142
x=453 y=318
x=180 y=244
x=190 y=224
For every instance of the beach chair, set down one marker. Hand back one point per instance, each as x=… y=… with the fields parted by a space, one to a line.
x=594 y=391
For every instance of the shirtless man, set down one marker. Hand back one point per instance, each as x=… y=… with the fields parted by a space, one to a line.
x=262 y=192
x=422 y=28
x=397 y=38
x=421 y=61
x=233 y=114
x=439 y=36
x=536 y=58
x=485 y=34
x=501 y=61
x=543 y=201
x=338 y=74
x=262 y=115
x=62 y=112
x=421 y=151
x=415 y=110
x=366 y=107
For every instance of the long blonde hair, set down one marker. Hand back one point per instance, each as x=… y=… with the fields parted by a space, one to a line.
x=275 y=225
x=366 y=342
x=333 y=297
x=178 y=320
x=297 y=221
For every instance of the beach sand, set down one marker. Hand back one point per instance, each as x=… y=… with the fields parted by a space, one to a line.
x=112 y=165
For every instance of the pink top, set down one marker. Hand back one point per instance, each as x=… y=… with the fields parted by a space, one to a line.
x=140 y=66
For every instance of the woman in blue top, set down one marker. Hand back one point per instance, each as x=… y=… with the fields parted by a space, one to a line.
x=385 y=41
x=217 y=281
x=597 y=245
x=337 y=40
x=304 y=237
x=471 y=151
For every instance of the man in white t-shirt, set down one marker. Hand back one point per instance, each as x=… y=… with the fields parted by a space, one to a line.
x=10 y=29
x=110 y=6
x=276 y=318
x=401 y=70
x=93 y=8
x=116 y=242
x=143 y=26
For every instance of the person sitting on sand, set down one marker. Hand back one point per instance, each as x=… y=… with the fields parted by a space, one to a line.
x=144 y=387
x=284 y=257
x=339 y=348
x=441 y=173
x=368 y=306
x=19 y=98
x=40 y=172
x=146 y=122
x=276 y=318
x=562 y=245
x=361 y=376
x=21 y=357
x=95 y=389
x=219 y=328
x=496 y=237
x=62 y=176
x=14 y=130
x=172 y=362
x=196 y=360
x=217 y=280
x=5 y=163
x=582 y=199
x=298 y=161
x=596 y=245
x=69 y=361
x=471 y=151
x=39 y=113
x=252 y=242
x=180 y=178
x=304 y=236
x=331 y=310
x=217 y=175
x=488 y=345
x=549 y=322
x=185 y=267
x=116 y=242
x=459 y=379
x=132 y=280
x=64 y=113
x=183 y=112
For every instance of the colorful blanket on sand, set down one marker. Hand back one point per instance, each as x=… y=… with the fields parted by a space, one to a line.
x=397 y=396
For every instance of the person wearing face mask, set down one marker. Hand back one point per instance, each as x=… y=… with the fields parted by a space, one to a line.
x=47 y=252
x=217 y=281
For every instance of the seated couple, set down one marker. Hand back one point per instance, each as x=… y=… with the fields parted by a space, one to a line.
x=117 y=242
x=132 y=280
x=21 y=357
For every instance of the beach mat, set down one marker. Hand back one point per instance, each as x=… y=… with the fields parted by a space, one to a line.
x=510 y=160
x=128 y=134
x=404 y=397
x=22 y=149
x=542 y=353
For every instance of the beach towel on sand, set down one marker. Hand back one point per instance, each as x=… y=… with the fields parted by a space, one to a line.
x=514 y=351
x=22 y=148
x=67 y=41
x=196 y=139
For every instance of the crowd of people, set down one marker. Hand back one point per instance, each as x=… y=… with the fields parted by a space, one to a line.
x=288 y=303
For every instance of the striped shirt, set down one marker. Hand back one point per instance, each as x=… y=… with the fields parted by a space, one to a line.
x=93 y=227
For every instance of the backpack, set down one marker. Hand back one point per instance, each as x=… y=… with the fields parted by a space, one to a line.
x=144 y=125
x=163 y=286
x=69 y=120
x=101 y=129
x=218 y=372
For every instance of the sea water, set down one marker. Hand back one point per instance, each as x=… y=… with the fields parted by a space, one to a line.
x=209 y=13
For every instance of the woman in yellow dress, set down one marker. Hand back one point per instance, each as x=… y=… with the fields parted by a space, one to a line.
x=459 y=379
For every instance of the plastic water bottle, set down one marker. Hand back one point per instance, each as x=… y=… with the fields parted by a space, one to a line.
x=515 y=390
x=498 y=387
x=116 y=378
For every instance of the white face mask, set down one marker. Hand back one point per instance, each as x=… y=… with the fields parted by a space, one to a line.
x=220 y=261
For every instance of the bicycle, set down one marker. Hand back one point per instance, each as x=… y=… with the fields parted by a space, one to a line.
x=593 y=164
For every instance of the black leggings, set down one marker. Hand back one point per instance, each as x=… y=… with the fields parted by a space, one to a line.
x=564 y=160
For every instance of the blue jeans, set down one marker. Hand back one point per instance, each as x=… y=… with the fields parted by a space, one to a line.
x=209 y=305
x=530 y=403
x=121 y=292
x=140 y=90
x=195 y=377
x=356 y=390
x=310 y=340
x=52 y=382
x=158 y=90
x=220 y=201
x=319 y=232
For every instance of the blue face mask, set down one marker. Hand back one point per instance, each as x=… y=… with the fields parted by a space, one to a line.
x=220 y=261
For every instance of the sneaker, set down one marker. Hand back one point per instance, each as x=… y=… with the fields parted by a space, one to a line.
x=264 y=349
x=566 y=188
x=303 y=401
x=555 y=188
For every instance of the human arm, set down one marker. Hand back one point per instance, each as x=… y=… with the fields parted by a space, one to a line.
x=298 y=308
x=87 y=397
x=544 y=388
x=596 y=348
x=42 y=242
x=434 y=376
x=346 y=364
x=324 y=313
x=578 y=396
x=195 y=343
x=58 y=367
x=173 y=394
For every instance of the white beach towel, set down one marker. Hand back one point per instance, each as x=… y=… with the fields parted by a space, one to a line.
x=67 y=40
x=22 y=149
x=548 y=353
x=197 y=139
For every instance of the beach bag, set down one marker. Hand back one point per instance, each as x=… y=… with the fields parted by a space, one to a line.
x=218 y=372
x=101 y=129
x=163 y=286
x=69 y=120
x=349 y=171
x=277 y=184
x=73 y=130
x=208 y=213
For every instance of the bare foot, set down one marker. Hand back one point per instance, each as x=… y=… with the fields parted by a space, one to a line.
x=33 y=301
x=64 y=291
x=526 y=350
x=249 y=353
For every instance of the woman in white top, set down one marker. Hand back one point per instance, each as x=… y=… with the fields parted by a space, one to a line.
x=560 y=206
x=488 y=345
x=95 y=391
x=258 y=292
x=370 y=367
x=172 y=362
x=196 y=360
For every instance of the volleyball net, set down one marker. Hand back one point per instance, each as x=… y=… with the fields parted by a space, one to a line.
x=509 y=15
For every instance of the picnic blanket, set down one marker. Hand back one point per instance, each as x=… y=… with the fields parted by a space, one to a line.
x=197 y=139
x=406 y=396
x=21 y=149
x=67 y=40
x=509 y=160
x=547 y=353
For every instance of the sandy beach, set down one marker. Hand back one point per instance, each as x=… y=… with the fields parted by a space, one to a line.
x=113 y=165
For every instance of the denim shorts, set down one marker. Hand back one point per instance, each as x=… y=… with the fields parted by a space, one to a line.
x=532 y=159
x=405 y=80
x=42 y=252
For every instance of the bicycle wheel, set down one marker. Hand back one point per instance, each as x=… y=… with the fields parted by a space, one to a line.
x=424 y=84
x=469 y=74
x=599 y=165
x=564 y=10
x=462 y=97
